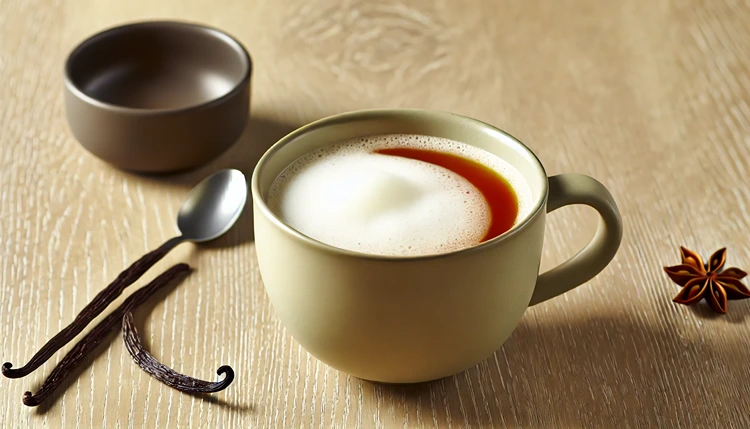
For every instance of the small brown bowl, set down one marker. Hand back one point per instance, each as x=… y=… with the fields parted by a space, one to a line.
x=158 y=96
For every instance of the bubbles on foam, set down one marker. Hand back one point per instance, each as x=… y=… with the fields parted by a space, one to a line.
x=345 y=195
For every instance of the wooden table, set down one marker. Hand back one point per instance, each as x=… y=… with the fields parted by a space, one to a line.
x=650 y=97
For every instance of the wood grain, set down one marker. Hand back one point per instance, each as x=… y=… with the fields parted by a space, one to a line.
x=650 y=97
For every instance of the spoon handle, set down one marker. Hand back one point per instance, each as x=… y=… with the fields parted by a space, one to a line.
x=92 y=309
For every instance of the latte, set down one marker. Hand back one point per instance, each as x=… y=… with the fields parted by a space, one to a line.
x=400 y=195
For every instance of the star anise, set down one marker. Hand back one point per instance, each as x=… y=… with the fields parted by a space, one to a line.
x=709 y=281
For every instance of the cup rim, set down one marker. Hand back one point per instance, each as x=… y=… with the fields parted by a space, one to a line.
x=228 y=39
x=359 y=115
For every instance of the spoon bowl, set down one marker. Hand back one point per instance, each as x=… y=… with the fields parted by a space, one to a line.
x=212 y=206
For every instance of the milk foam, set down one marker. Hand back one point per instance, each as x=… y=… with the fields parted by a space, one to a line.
x=349 y=197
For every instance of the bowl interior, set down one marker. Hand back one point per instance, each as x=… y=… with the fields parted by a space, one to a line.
x=158 y=65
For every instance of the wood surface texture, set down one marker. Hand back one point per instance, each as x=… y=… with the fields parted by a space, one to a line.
x=651 y=97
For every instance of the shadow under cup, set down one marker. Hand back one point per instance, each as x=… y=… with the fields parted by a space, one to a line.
x=399 y=319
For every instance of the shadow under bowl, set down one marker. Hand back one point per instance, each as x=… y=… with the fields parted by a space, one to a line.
x=157 y=97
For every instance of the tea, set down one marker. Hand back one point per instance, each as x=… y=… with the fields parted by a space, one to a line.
x=496 y=191
x=400 y=195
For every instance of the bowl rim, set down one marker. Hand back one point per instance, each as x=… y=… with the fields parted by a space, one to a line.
x=136 y=111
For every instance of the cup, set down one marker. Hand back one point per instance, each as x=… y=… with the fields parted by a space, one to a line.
x=415 y=319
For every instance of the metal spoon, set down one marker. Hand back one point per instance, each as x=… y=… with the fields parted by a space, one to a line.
x=211 y=208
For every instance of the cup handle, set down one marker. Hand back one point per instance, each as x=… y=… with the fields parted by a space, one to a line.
x=566 y=189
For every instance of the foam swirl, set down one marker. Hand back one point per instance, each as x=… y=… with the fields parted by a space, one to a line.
x=348 y=196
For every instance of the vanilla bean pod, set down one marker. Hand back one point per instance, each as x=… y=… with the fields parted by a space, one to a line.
x=164 y=373
x=89 y=313
x=91 y=340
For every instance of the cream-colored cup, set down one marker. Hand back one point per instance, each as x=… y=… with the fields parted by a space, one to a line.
x=413 y=319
